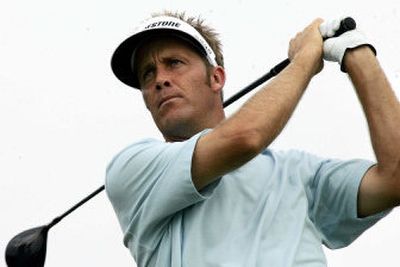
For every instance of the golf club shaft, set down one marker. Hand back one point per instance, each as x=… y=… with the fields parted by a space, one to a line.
x=345 y=25
x=273 y=72
x=77 y=205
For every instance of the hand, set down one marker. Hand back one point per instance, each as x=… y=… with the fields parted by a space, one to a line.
x=335 y=48
x=306 y=47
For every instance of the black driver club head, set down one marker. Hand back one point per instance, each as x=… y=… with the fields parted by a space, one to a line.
x=28 y=248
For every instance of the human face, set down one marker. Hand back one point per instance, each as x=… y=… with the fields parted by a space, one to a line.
x=176 y=87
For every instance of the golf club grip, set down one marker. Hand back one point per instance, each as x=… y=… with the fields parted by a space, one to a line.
x=346 y=24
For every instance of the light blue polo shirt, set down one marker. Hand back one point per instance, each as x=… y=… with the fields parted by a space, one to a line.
x=276 y=210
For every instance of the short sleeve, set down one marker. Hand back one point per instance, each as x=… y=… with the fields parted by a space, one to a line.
x=334 y=208
x=149 y=182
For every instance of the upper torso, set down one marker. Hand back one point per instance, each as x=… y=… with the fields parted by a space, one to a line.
x=276 y=210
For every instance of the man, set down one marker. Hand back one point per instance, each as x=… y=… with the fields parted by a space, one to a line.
x=213 y=194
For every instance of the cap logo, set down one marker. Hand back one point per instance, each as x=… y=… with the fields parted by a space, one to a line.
x=167 y=22
x=163 y=24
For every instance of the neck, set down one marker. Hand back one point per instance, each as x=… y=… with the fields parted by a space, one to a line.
x=186 y=132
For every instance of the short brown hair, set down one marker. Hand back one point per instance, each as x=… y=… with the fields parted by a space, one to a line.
x=208 y=33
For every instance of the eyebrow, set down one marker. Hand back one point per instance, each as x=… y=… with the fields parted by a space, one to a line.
x=150 y=64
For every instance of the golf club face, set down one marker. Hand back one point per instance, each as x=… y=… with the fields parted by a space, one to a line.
x=28 y=248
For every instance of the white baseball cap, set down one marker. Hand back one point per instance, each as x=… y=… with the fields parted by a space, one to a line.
x=123 y=57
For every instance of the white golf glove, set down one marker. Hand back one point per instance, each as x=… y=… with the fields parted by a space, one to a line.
x=336 y=47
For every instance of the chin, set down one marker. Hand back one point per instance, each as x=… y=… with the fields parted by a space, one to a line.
x=177 y=126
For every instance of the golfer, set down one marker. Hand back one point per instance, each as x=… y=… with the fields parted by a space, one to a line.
x=213 y=193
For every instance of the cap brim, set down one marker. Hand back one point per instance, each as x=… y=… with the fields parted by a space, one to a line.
x=121 y=61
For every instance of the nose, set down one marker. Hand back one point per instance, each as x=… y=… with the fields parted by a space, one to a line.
x=163 y=79
x=162 y=84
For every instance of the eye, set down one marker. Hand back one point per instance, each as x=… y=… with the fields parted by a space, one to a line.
x=173 y=62
x=147 y=74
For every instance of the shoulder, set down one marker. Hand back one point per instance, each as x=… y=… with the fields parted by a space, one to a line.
x=133 y=150
x=147 y=160
x=322 y=164
x=293 y=156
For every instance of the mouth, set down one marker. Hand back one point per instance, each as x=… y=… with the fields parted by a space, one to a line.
x=167 y=99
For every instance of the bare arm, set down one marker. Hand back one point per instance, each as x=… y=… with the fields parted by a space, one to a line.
x=380 y=188
x=241 y=137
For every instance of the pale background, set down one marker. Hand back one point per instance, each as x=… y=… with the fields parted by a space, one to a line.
x=64 y=115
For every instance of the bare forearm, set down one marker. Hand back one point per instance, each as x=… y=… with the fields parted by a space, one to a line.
x=381 y=107
x=242 y=136
x=270 y=109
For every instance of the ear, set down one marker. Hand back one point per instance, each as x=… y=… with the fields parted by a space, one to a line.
x=218 y=79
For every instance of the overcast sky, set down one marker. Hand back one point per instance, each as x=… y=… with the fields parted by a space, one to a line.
x=64 y=115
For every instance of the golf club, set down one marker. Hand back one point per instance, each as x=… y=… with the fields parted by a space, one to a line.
x=28 y=248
